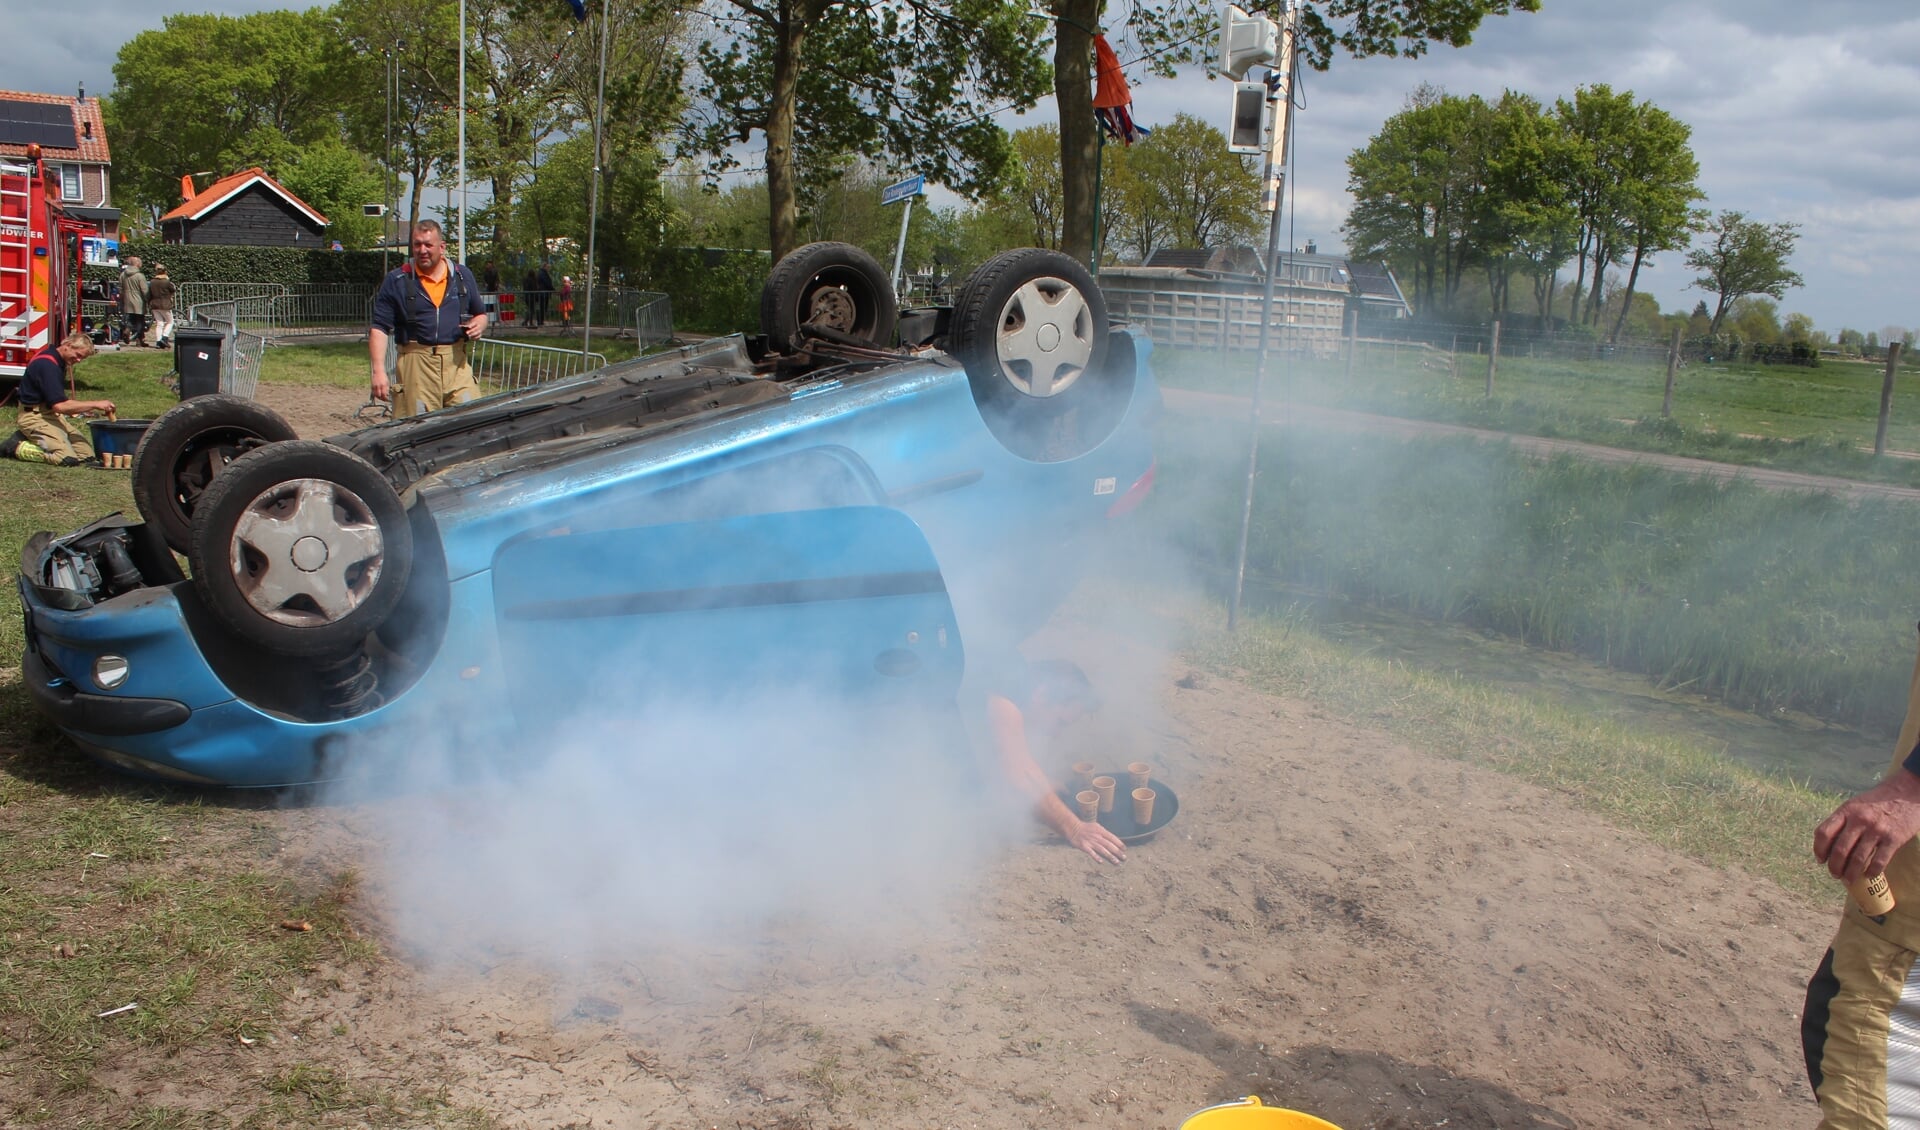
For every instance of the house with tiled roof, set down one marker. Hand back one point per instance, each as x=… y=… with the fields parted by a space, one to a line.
x=248 y=207
x=73 y=143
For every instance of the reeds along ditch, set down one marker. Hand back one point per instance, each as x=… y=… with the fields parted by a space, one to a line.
x=1766 y=600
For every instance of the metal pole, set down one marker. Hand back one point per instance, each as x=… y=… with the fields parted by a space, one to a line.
x=463 y=131
x=900 y=248
x=386 y=206
x=593 y=185
x=1276 y=187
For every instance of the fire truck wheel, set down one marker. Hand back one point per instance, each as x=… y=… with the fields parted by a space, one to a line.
x=186 y=449
x=836 y=285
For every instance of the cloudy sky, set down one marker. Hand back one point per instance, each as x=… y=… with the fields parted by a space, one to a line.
x=1808 y=113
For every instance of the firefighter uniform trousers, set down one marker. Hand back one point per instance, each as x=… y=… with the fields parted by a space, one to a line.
x=432 y=377
x=54 y=434
x=1861 y=1027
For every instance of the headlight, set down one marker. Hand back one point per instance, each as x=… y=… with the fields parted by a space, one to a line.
x=110 y=671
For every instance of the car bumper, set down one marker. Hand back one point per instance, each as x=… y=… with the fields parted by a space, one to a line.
x=174 y=719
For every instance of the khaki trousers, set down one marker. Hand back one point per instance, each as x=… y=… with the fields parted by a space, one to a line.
x=432 y=377
x=55 y=434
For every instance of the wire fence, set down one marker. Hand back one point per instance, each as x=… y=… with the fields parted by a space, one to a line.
x=241 y=350
x=501 y=366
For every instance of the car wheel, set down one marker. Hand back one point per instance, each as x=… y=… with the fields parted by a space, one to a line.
x=185 y=449
x=301 y=548
x=835 y=285
x=1030 y=326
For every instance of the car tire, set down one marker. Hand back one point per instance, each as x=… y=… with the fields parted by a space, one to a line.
x=185 y=449
x=301 y=548
x=834 y=284
x=1030 y=327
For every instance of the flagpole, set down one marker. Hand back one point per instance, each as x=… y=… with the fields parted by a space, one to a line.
x=593 y=189
x=463 y=134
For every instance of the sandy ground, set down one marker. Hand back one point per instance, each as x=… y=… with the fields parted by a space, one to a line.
x=1335 y=922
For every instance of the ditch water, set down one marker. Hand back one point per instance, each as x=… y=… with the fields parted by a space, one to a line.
x=1793 y=745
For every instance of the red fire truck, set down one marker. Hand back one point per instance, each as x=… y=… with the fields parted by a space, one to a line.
x=39 y=263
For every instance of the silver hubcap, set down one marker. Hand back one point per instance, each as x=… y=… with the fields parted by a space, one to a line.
x=1046 y=337
x=307 y=552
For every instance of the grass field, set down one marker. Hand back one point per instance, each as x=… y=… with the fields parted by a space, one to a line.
x=1813 y=420
x=1767 y=600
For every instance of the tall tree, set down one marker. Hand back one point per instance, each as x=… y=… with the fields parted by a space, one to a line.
x=414 y=48
x=1179 y=32
x=1743 y=257
x=218 y=93
x=912 y=81
x=1660 y=175
x=1181 y=187
x=1413 y=186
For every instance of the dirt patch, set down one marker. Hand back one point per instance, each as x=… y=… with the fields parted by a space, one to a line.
x=317 y=411
x=1335 y=922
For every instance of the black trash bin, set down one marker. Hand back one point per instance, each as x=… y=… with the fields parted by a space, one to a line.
x=197 y=358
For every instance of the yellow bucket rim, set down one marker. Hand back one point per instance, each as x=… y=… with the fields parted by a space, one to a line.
x=1298 y=1119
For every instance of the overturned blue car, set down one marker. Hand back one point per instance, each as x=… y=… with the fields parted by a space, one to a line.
x=837 y=505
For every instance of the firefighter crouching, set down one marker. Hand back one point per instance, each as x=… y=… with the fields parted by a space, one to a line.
x=46 y=434
x=432 y=308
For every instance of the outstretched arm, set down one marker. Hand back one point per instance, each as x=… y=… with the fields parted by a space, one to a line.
x=1016 y=761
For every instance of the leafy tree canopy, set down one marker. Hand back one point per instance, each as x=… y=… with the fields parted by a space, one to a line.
x=1742 y=257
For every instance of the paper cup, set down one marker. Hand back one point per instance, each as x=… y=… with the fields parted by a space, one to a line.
x=1083 y=774
x=1105 y=786
x=1143 y=807
x=1141 y=773
x=1089 y=802
x=1872 y=894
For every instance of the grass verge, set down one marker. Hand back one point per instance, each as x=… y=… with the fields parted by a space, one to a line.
x=1676 y=792
x=1810 y=420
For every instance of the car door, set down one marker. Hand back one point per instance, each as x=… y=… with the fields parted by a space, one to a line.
x=836 y=605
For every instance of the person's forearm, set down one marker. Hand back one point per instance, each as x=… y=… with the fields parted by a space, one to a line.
x=377 y=348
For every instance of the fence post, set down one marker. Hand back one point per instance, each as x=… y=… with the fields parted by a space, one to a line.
x=1453 y=354
x=1886 y=398
x=1673 y=363
x=1493 y=357
x=1353 y=340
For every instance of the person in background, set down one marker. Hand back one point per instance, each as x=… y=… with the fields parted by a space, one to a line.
x=544 y=295
x=566 y=302
x=133 y=303
x=46 y=434
x=490 y=278
x=529 y=300
x=1029 y=705
x=160 y=294
x=432 y=308
x=1862 y=1016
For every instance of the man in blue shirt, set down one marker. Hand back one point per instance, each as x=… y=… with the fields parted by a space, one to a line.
x=46 y=435
x=431 y=308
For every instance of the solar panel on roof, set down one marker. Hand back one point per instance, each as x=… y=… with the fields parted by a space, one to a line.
x=48 y=123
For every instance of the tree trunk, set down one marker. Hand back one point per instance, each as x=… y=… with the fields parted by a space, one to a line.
x=1633 y=278
x=1720 y=312
x=1079 y=136
x=783 y=211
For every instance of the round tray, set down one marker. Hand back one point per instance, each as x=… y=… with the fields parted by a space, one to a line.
x=1120 y=821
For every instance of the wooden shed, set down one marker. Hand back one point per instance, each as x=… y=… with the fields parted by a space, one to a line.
x=248 y=208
